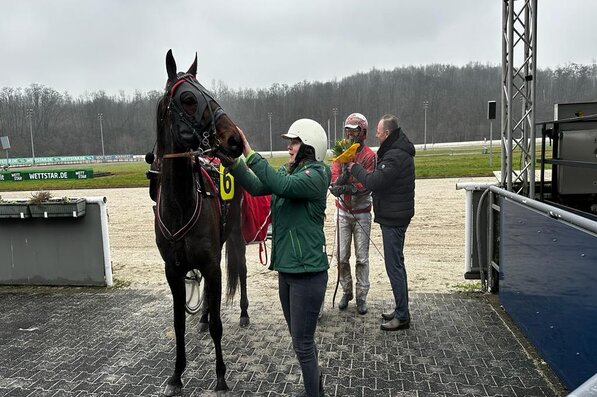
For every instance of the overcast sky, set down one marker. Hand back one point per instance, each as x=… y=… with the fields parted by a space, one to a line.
x=83 y=46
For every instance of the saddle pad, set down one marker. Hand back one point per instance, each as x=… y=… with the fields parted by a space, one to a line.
x=256 y=217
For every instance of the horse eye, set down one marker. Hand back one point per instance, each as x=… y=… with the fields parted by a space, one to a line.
x=189 y=102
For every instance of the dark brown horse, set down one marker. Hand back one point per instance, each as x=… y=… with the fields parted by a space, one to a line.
x=191 y=221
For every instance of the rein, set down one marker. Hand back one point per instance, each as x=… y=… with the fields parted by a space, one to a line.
x=197 y=180
x=183 y=154
x=174 y=237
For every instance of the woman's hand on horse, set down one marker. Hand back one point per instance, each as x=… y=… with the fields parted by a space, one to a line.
x=246 y=146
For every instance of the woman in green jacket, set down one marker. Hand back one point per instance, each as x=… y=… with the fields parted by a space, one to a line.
x=298 y=202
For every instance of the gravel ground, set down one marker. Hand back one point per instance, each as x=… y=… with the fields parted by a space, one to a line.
x=434 y=249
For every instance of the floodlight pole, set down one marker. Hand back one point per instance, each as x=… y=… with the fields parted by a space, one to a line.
x=30 y=117
x=100 y=116
x=425 y=107
x=269 y=116
x=335 y=111
x=490 y=143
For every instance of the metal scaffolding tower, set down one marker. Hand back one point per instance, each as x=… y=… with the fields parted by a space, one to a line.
x=519 y=66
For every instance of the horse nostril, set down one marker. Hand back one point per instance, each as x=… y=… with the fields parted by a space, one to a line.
x=235 y=141
x=235 y=144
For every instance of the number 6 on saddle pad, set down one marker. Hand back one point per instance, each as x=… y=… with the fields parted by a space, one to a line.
x=226 y=184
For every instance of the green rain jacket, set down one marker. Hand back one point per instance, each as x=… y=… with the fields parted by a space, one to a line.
x=298 y=210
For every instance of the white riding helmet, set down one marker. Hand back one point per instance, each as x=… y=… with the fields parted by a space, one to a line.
x=311 y=133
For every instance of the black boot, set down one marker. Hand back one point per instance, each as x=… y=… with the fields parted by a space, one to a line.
x=361 y=306
x=343 y=304
x=321 y=392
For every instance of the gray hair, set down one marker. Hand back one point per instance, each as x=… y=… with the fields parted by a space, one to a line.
x=390 y=122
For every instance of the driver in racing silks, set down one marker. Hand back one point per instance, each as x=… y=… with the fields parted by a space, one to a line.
x=353 y=203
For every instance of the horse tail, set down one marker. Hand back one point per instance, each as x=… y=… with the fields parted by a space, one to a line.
x=236 y=265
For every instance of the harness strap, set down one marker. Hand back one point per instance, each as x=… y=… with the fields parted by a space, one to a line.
x=266 y=222
x=174 y=237
x=196 y=167
x=213 y=188
x=179 y=82
x=263 y=250
x=183 y=154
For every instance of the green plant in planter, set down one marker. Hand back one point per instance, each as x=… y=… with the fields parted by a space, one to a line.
x=43 y=205
x=38 y=198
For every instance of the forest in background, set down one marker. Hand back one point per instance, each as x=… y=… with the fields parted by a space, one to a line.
x=457 y=108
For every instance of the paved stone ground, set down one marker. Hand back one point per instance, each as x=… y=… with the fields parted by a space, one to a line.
x=79 y=342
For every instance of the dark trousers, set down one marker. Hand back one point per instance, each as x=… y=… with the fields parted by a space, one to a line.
x=393 y=249
x=301 y=296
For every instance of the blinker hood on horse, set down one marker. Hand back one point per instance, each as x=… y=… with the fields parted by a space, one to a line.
x=197 y=122
x=191 y=221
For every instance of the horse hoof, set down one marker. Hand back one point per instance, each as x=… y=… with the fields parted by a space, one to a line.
x=221 y=385
x=172 y=390
x=203 y=327
x=244 y=322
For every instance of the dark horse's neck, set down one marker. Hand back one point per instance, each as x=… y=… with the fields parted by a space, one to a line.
x=178 y=191
x=177 y=176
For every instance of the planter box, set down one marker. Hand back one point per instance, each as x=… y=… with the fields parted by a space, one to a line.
x=72 y=208
x=16 y=209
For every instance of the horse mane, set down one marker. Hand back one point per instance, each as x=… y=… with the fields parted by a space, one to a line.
x=160 y=126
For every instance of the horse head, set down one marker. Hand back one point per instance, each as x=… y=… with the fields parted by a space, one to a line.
x=195 y=119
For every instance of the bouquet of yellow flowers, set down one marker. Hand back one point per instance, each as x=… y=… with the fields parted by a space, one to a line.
x=344 y=150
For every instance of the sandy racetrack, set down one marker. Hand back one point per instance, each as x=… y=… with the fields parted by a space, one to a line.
x=434 y=251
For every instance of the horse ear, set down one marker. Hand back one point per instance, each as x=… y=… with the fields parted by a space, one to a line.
x=193 y=69
x=171 y=66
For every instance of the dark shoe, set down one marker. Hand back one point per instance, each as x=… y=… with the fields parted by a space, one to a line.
x=395 y=325
x=321 y=393
x=304 y=394
x=344 y=301
x=361 y=306
x=389 y=316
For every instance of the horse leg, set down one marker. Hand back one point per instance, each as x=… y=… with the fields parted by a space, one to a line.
x=214 y=296
x=244 y=300
x=204 y=320
x=177 y=286
x=236 y=250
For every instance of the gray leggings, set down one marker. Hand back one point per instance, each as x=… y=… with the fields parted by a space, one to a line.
x=301 y=296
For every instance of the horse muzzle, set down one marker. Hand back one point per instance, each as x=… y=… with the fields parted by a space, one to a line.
x=234 y=146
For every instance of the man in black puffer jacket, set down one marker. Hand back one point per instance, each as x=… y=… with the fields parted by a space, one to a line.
x=393 y=186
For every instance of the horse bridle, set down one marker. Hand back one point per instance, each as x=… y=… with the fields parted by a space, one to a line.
x=202 y=132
